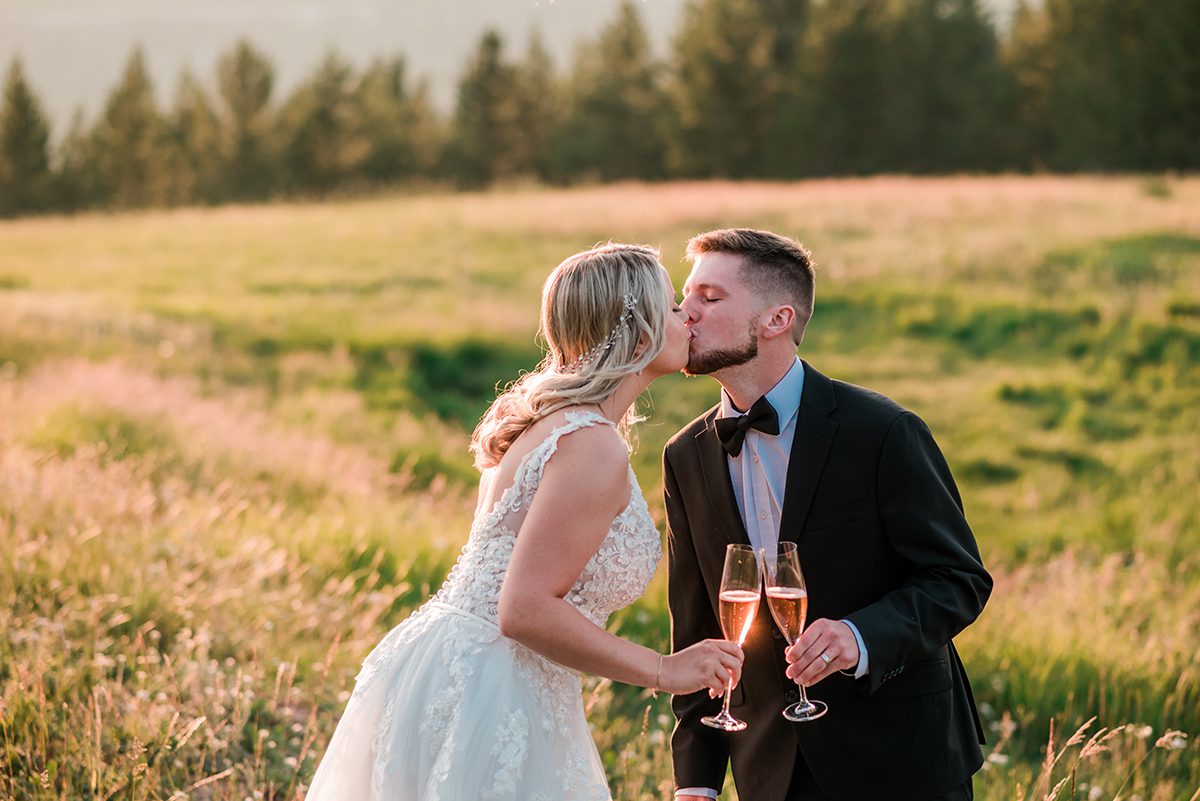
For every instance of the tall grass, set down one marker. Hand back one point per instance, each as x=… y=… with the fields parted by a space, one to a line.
x=232 y=455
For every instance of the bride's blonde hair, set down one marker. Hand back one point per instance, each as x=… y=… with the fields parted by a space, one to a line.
x=604 y=316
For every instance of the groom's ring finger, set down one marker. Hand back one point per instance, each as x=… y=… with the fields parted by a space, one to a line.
x=820 y=664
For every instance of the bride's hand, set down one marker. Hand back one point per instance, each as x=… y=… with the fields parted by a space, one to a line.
x=707 y=664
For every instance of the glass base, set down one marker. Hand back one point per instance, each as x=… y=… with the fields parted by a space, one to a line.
x=804 y=711
x=724 y=721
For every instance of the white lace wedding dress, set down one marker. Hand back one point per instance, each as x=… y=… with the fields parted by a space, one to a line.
x=447 y=709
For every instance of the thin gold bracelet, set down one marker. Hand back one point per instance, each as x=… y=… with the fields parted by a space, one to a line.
x=658 y=676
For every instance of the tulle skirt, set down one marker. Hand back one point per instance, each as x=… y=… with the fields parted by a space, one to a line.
x=448 y=709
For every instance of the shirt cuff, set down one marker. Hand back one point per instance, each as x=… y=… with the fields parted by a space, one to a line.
x=707 y=792
x=861 y=670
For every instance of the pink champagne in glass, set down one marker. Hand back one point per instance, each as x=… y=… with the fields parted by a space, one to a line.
x=741 y=588
x=787 y=598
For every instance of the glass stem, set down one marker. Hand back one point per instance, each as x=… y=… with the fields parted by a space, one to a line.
x=800 y=687
x=728 y=692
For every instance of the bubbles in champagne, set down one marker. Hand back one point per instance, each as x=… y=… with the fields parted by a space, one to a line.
x=738 y=608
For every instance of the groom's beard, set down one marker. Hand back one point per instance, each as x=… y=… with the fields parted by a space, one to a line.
x=714 y=360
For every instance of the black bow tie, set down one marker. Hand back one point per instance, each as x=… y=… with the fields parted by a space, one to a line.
x=732 y=430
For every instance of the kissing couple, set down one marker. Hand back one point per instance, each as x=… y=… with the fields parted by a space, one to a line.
x=477 y=694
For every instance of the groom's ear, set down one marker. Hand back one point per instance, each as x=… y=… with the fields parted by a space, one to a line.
x=776 y=321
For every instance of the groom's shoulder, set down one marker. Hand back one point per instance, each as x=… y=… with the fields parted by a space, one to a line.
x=864 y=398
x=864 y=404
x=687 y=435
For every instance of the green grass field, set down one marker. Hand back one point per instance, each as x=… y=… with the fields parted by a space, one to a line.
x=233 y=454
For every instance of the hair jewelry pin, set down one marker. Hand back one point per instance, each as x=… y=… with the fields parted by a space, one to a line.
x=596 y=352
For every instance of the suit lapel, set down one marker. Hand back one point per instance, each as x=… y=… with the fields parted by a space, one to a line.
x=716 y=478
x=810 y=447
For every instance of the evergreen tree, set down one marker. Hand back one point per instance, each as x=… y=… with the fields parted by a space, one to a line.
x=483 y=148
x=1030 y=64
x=322 y=145
x=128 y=141
x=616 y=124
x=397 y=122
x=1116 y=82
x=1089 y=108
x=538 y=98
x=76 y=181
x=1166 y=78
x=848 y=69
x=947 y=98
x=726 y=97
x=245 y=79
x=24 y=155
x=786 y=23
x=193 y=137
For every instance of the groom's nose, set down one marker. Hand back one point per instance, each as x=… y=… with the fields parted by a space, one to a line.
x=689 y=308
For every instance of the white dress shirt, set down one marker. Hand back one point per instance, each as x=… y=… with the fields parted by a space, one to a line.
x=759 y=478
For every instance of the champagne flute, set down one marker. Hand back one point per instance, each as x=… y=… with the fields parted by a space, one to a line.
x=741 y=588
x=787 y=598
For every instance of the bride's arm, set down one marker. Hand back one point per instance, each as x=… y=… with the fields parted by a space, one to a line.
x=585 y=485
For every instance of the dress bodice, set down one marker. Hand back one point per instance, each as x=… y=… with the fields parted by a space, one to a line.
x=615 y=576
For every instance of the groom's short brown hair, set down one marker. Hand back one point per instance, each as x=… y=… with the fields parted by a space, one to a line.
x=774 y=267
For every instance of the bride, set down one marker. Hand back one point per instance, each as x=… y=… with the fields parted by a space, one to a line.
x=477 y=694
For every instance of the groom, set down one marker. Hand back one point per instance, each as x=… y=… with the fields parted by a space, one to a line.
x=893 y=570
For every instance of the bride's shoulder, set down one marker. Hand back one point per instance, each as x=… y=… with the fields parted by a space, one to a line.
x=573 y=430
x=589 y=468
x=581 y=432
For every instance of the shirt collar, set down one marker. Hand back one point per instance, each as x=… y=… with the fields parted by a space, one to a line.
x=784 y=397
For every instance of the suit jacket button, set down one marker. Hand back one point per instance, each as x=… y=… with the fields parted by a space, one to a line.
x=775 y=633
x=791 y=696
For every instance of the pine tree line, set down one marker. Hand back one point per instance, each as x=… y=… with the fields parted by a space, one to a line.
x=750 y=89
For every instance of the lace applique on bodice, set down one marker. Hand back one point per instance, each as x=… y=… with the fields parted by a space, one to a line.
x=614 y=577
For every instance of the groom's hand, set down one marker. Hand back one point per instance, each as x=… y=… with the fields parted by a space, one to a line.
x=826 y=647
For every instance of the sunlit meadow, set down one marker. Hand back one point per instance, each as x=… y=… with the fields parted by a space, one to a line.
x=233 y=454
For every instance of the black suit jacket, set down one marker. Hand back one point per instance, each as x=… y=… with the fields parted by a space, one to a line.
x=883 y=542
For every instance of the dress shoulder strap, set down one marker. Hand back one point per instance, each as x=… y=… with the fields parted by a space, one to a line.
x=536 y=459
x=528 y=474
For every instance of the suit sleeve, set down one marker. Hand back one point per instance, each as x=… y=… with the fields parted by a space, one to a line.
x=946 y=585
x=700 y=753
